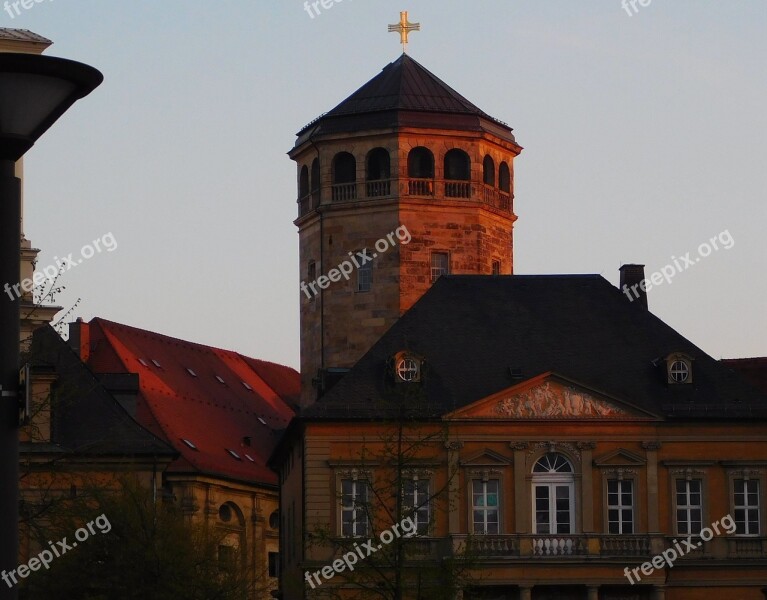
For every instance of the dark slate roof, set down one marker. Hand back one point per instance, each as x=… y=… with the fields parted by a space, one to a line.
x=87 y=420
x=214 y=416
x=471 y=330
x=405 y=93
x=752 y=369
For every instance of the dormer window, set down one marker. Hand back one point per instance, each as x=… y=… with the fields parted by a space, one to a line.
x=679 y=368
x=407 y=368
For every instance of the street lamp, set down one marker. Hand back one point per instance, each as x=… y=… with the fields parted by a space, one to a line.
x=34 y=92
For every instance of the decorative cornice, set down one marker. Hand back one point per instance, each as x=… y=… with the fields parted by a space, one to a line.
x=586 y=445
x=651 y=445
x=553 y=446
x=453 y=445
x=484 y=473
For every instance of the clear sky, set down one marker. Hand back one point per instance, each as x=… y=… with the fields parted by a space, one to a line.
x=644 y=137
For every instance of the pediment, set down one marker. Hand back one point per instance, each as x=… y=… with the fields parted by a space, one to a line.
x=485 y=458
x=619 y=458
x=549 y=397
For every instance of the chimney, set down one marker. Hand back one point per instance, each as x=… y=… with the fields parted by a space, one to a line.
x=80 y=339
x=632 y=277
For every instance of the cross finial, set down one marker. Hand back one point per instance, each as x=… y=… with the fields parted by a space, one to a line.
x=404 y=27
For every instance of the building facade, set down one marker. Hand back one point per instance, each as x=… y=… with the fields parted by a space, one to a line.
x=546 y=437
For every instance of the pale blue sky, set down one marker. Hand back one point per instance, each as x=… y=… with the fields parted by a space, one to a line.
x=644 y=136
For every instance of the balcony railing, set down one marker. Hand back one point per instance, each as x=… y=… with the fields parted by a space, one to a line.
x=344 y=191
x=747 y=547
x=420 y=187
x=553 y=546
x=378 y=188
x=458 y=189
x=571 y=545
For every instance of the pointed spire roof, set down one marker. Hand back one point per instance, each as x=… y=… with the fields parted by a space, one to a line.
x=404 y=93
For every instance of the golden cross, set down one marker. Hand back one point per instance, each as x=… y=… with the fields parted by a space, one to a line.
x=404 y=27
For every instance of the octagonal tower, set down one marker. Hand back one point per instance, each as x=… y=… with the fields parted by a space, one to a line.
x=402 y=182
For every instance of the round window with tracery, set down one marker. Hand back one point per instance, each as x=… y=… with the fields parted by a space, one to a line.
x=407 y=369
x=679 y=371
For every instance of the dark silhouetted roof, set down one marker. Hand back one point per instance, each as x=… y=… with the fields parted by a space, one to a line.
x=405 y=94
x=213 y=398
x=473 y=330
x=87 y=420
x=752 y=369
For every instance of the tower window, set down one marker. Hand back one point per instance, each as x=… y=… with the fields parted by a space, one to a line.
x=365 y=276
x=303 y=183
x=504 y=178
x=315 y=183
x=488 y=171
x=496 y=267
x=440 y=265
x=457 y=165
x=420 y=163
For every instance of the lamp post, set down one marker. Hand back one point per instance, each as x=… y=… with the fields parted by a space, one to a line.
x=34 y=92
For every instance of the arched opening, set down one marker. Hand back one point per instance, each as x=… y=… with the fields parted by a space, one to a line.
x=488 y=170
x=504 y=183
x=344 y=177
x=420 y=172
x=303 y=191
x=457 y=174
x=553 y=491
x=316 y=183
x=231 y=549
x=378 y=172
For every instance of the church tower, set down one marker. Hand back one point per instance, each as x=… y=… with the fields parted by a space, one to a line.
x=402 y=182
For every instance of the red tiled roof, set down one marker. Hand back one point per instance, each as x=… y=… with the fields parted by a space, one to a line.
x=216 y=399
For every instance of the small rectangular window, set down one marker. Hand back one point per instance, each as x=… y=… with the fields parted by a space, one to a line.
x=689 y=506
x=440 y=265
x=364 y=274
x=746 y=506
x=496 y=267
x=620 y=506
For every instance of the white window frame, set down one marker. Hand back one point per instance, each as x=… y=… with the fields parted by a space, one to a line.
x=746 y=507
x=551 y=481
x=688 y=507
x=485 y=508
x=360 y=521
x=364 y=274
x=417 y=505
x=620 y=507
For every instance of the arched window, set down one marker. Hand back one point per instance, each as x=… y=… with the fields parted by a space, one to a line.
x=504 y=178
x=420 y=172
x=344 y=176
x=420 y=163
x=378 y=172
x=315 y=183
x=232 y=544
x=488 y=170
x=303 y=185
x=303 y=191
x=553 y=495
x=457 y=169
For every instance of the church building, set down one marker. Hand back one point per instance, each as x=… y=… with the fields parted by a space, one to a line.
x=541 y=437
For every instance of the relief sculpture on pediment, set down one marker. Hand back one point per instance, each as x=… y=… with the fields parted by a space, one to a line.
x=554 y=401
